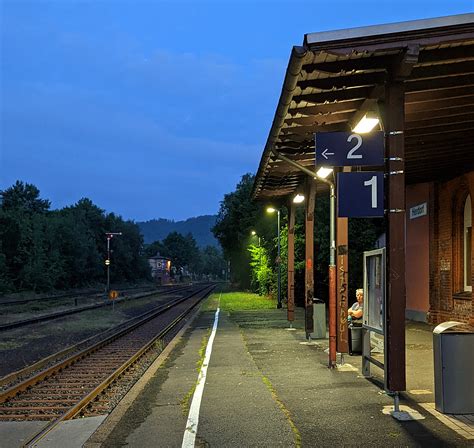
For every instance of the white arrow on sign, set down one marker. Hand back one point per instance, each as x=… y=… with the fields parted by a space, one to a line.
x=325 y=154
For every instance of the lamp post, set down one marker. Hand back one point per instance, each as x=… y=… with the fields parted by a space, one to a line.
x=254 y=233
x=109 y=236
x=273 y=210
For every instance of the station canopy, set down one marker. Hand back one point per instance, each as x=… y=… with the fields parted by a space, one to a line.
x=337 y=75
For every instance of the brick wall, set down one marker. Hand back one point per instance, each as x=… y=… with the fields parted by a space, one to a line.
x=446 y=250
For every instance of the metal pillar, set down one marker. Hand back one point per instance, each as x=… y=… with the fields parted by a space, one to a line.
x=291 y=262
x=309 y=255
x=395 y=202
x=332 y=276
x=108 y=263
x=279 y=261
x=342 y=271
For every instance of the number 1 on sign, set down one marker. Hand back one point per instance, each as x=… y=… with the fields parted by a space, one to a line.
x=372 y=183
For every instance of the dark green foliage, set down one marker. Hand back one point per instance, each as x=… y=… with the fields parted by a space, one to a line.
x=186 y=256
x=24 y=198
x=43 y=250
x=238 y=216
x=262 y=274
x=181 y=250
x=212 y=262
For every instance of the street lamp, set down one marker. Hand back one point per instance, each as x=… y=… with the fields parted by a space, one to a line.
x=109 y=236
x=273 y=210
x=254 y=233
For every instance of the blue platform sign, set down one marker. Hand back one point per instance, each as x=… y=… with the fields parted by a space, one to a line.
x=349 y=149
x=360 y=195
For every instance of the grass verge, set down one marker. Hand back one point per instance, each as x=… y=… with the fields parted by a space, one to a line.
x=238 y=301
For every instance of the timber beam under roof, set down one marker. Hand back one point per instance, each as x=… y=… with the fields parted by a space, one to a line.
x=333 y=74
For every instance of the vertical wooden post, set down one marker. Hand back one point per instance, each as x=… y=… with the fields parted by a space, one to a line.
x=342 y=270
x=309 y=255
x=395 y=203
x=291 y=261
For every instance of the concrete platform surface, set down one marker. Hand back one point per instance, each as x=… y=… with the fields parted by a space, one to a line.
x=264 y=389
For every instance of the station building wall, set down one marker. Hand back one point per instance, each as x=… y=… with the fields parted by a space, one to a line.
x=417 y=251
x=451 y=250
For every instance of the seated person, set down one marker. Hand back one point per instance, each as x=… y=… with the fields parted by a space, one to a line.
x=356 y=310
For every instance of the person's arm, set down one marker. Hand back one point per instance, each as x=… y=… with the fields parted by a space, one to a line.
x=357 y=314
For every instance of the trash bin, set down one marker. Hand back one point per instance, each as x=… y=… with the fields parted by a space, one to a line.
x=319 y=319
x=453 y=350
x=355 y=339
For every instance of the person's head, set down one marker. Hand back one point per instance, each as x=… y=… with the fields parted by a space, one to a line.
x=360 y=295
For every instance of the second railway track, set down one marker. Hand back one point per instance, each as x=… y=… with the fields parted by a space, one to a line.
x=70 y=311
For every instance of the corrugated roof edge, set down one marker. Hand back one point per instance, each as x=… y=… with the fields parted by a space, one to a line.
x=296 y=62
x=315 y=39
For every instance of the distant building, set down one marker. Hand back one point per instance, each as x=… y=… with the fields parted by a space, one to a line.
x=160 y=269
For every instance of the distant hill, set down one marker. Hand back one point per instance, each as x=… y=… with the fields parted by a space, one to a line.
x=199 y=227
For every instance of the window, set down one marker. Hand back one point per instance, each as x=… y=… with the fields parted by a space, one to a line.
x=467 y=245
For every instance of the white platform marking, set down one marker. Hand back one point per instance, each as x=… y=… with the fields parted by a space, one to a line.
x=193 y=417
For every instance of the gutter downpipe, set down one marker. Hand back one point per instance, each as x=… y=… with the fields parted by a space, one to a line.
x=332 y=254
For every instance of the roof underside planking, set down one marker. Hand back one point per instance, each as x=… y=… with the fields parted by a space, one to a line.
x=334 y=74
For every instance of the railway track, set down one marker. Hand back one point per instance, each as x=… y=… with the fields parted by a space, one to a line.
x=64 y=390
x=59 y=314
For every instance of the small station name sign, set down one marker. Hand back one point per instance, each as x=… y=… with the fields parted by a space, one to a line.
x=349 y=149
x=419 y=210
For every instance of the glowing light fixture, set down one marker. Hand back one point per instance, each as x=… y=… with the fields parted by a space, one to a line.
x=271 y=210
x=298 y=199
x=324 y=172
x=253 y=232
x=366 y=123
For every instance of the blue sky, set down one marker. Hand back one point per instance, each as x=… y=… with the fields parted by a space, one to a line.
x=155 y=108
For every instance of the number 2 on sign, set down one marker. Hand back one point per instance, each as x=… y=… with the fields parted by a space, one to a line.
x=373 y=184
x=350 y=154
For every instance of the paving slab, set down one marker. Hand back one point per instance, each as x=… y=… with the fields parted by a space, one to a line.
x=71 y=433
x=15 y=434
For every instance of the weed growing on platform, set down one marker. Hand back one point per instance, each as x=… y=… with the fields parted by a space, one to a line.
x=202 y=351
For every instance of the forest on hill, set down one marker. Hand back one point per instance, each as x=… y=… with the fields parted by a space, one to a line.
x=199 y=227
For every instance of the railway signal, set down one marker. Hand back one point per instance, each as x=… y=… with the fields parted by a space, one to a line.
x=109 y=236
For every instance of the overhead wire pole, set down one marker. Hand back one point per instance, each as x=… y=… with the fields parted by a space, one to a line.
x=279 y=262
x=332 y=253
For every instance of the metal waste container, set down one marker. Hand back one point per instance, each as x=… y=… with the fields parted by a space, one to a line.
x=319 y=319
x=355 y=339
x=453 y=350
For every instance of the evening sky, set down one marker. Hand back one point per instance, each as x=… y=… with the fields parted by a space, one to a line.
x=155 y=108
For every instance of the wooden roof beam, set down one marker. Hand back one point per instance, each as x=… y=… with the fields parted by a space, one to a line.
x=328 y=107
x=340 y=82
x=335 y=95
x=376 y=62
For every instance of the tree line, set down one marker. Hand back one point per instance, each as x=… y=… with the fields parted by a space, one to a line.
x=253 y=257
x=43 y=249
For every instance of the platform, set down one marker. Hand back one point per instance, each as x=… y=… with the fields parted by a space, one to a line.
x=265 y=388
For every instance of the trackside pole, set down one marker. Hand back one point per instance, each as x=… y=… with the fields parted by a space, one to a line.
x=309 y=251
x=291 y=263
